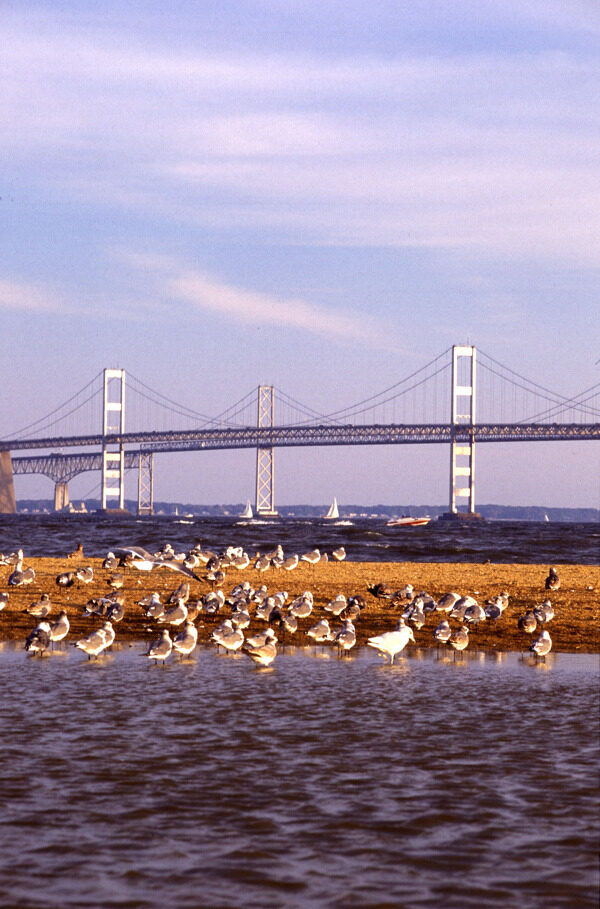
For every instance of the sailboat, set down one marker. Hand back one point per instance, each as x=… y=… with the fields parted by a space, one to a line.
x=333 y=512
x=247 y=512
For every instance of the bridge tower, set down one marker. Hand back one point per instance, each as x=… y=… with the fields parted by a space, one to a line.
x=462 y=452
x=113 y=454
x=146 y=483
x=265 y=496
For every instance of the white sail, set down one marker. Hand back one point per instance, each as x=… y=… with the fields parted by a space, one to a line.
x=333 y=510
x=247 y=512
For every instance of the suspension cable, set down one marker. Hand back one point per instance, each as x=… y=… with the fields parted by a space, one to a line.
x=18 y=432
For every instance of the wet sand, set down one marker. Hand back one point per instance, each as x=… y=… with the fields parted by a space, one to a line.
x=575 y=627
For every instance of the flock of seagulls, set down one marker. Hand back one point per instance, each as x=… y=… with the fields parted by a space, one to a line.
x=174 y=617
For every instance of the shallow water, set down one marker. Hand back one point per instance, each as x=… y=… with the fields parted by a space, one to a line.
x=364 y=539
x=320 y=782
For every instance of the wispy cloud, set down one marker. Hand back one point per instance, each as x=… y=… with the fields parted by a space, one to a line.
x=29 y=297
x=484 y=150
x=205 y=293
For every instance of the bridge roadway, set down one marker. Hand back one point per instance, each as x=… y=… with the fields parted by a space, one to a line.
x=63 y=467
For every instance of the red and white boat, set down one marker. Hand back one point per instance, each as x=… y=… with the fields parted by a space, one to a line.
x=408 y=521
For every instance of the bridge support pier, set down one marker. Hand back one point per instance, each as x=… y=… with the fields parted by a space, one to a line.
x=265 y=493
x=61 y=496
x=145 y=504
x=8 y=504
x=462 y=453
x=113 y=455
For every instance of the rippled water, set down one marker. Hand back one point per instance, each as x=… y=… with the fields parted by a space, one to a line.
x=364 y=539
x=320 y=782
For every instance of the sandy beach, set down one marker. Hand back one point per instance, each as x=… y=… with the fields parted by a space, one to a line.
x=575 y=627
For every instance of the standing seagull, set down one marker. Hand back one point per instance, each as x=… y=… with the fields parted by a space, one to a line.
x=542 y=645
x=185 y=641
x=161 y=648
x=346 y=637
x=20 y=575
x=552 y=581
x=459 y=639
x=60 y=628
x=392 y=642
x=39 y=639
x=262 y=656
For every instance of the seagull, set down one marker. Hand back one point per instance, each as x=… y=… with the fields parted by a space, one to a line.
x=182 y=593
x=320 y=632
x=264 y=655
x=39 y=639
x=20 y=575
x=264 y=637
x=339 y=554
x=66 y=579
x=176 y=615
x=232 y=640
x=346 y=636
x=542 y=644
x=474 y=614
x=442 y=632
x=116 y=580
x=152 y=605
x=447 y=602
x=311 y=557
x=3 y=600
x=404 y=593
x=185 y=641
x=459 y=639
x=544 y=613
x=337 y=605
x=381 y=591
x=302 y=606
x=93 y=644
x=460 y=607
x=145 y=561
x=527 y=623
x=116 y=610
x=85 y=575
x=41 y=607
x=291 y=562
x=60 y=628
x=552 y=581
x=392 y=642
x=161 y=648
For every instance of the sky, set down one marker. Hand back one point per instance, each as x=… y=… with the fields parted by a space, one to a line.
x=321 y=196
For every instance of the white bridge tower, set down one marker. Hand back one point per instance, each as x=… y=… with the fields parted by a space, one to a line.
x=113 y=454
x=462 y=452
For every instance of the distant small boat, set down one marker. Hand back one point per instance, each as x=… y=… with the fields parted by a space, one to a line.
x=247 y=512
x=546 y=518
x=408 y=521
x=333 y=512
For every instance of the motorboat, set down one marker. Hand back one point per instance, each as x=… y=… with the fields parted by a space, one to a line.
x=407 y=520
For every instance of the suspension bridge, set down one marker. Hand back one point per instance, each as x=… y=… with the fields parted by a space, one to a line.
x=460 y=398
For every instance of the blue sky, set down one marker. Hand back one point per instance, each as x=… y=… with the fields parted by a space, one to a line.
x=322 y=196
